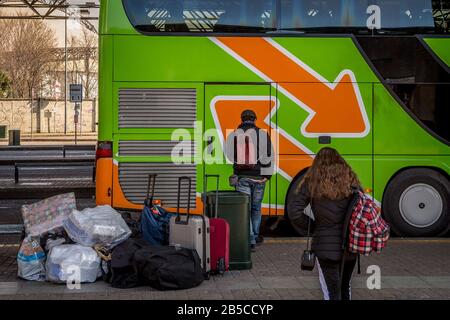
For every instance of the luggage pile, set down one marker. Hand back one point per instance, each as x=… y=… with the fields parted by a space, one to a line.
x=166 y=251
x=174 y=251
x=209 y=237
x=60 y=240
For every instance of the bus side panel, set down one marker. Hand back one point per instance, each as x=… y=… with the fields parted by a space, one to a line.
x=105 y=88
x=104 y=167
x=144 y=145
x=440 y=46
x=296 y=149
x=104 y=173
x=224 y=104
x=397 y=133
x=400 y=142
x=113 y=19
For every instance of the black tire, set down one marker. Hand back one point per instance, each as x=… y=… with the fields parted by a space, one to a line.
x=430 y=179
x=290 y=196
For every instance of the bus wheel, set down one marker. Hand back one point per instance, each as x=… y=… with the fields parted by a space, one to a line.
x=417 y=203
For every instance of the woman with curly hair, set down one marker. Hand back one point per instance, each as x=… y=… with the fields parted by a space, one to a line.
x=328 y=187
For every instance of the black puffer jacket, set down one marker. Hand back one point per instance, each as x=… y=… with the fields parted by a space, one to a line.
x=328 y=227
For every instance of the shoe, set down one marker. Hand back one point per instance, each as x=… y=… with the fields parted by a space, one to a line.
x=259 y=240
x=253 y=247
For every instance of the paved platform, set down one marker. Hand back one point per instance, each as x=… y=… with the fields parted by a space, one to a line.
x=410 y=269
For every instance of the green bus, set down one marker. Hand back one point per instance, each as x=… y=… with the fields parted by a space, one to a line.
x=369 y=78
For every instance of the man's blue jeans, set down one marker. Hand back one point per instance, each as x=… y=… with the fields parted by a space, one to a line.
x=256 y=192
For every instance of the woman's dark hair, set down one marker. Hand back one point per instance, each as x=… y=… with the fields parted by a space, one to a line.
x=330 y=177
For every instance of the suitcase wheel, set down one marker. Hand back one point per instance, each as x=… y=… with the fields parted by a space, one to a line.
x=221 y=266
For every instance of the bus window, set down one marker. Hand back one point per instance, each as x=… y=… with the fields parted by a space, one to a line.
x=429 y=103
x=175 y=22
x=246 y=16
x=296 y=15
x=396 y=16
x=202 y=15
x=415 y=76
x=260 y=16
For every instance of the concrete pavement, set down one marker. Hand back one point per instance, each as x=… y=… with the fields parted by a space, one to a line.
x=410 y=269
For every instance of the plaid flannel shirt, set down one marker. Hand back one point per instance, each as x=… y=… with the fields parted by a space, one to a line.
x=368 y=231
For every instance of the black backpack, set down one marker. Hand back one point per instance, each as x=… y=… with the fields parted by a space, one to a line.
x=168 y=268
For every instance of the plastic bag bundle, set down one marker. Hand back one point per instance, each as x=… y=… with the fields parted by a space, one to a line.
x=100 y=226
x=31 y=260
x=72 y=262
x=47 y=215
x=53 y=239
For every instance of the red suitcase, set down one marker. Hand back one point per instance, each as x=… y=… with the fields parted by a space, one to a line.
x=219 y=234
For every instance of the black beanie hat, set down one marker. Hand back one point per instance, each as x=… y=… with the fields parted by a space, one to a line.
x=248 y=115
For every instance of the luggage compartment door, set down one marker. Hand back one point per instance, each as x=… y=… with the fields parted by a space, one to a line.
x=224 y=104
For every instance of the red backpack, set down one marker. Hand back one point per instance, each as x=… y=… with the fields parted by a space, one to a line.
x=368 y=232
x=245 y=152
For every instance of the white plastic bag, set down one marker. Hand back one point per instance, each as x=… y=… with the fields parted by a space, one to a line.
x=72 y=262
x=100 y=226
x=31 y=260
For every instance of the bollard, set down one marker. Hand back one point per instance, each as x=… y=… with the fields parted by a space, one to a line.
x=14 y=137
x=2 y=132
x=16 y=174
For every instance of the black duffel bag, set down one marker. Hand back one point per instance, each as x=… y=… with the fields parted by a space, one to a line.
x=168 y=268
x=121 y=271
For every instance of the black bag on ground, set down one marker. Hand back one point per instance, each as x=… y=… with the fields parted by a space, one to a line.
x=123 y=273
x=169 y=268
x=54 y=238
x=133 y=224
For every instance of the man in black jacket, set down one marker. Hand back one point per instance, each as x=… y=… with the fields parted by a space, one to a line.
x=253 y=166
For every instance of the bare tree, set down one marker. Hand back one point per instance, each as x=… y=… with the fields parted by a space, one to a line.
x=83 y=66
x=4 y=85
x=74 y=70
x=26 y=49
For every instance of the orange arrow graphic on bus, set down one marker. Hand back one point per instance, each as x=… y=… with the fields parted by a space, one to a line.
x=227 y=112
x=335 y=109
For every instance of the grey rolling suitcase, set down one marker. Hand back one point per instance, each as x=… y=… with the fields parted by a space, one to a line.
x=191 y=231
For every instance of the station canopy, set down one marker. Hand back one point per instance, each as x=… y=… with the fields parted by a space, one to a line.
x=86 y=11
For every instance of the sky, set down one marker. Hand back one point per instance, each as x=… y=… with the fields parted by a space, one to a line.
x=73 y=28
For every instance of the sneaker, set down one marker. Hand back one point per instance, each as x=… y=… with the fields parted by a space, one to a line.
x=253 y=247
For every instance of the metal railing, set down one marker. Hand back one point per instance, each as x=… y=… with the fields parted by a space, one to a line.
x=61 y=160
x=63 y=149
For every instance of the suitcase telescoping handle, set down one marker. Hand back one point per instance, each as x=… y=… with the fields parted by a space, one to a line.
x=150 y=184
x=205 y=188
x=178 y=218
